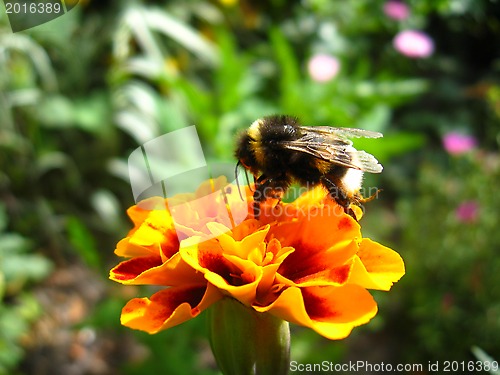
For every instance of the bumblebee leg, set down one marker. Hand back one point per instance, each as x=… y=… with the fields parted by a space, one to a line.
x=258 y=196
x=371 y=197
x=261 y=179
x=268 y=188
x=337 y=193
x=278 y=203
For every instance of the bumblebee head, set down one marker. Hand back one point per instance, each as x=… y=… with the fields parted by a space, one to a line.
x=248 y=148
x=245 y=152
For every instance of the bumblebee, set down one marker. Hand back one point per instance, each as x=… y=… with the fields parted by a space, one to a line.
x=279 y=151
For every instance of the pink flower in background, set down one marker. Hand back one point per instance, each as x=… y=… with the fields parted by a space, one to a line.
x=456 y=143
x=323 y=68
x=467 y=212
x=414 y=44
x=396 y=10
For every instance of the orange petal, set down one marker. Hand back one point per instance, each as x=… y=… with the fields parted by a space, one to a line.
x=151 y=270
x=168 y=307
x=312 y=197
x=324 y=249
x=244 y=292
x=245 y=228
x=235 y=276
x=211 y=185
x=211 y=203
x=140 y=211
x=376 y=266
x=322 y=230
x=132 y=268
x=129 y=250
x=331 y=311
x=267 y=281
x=206 y=256
x=251 y=247
x=157 y=232
x=358 y=211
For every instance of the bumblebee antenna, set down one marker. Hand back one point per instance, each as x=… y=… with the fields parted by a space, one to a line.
x=248 y=181
x=236 y=176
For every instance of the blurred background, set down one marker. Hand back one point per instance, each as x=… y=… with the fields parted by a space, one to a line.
x=80 y=93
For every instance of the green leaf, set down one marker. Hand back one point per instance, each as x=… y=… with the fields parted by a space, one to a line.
x=18 y=269
x=91 y=114
x=376 y=120
x=171 y=115
x=14 y=323
x=288 y=67
x=83 y=241
x=13 y=243
x=143 y=21
x=3 y=285
x=391 y=145
x=56 y=112
x=3 y=217
x=230 y=74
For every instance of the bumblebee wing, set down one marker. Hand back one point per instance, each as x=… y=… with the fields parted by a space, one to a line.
x=367 y=162
x=342 y=132
x=327 y=145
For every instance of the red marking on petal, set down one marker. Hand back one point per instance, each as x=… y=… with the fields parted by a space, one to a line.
x=344 y=224
x=304 y=261
x=170 y=301
x=164 y=303
x=132 y=268
x=170 y=245
x=191 y=295
x=340 y=274
x=153 y=226
x=129 y=309
x=318 y=308
x=217 y=264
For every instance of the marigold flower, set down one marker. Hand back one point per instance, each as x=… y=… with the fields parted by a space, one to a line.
x=305 y=262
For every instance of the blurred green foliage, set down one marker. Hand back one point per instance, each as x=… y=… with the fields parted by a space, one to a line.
x=453 y=253
x=19 y=266
x=79 y=93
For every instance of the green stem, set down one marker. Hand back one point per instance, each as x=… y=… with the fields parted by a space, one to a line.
x=246 y=342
